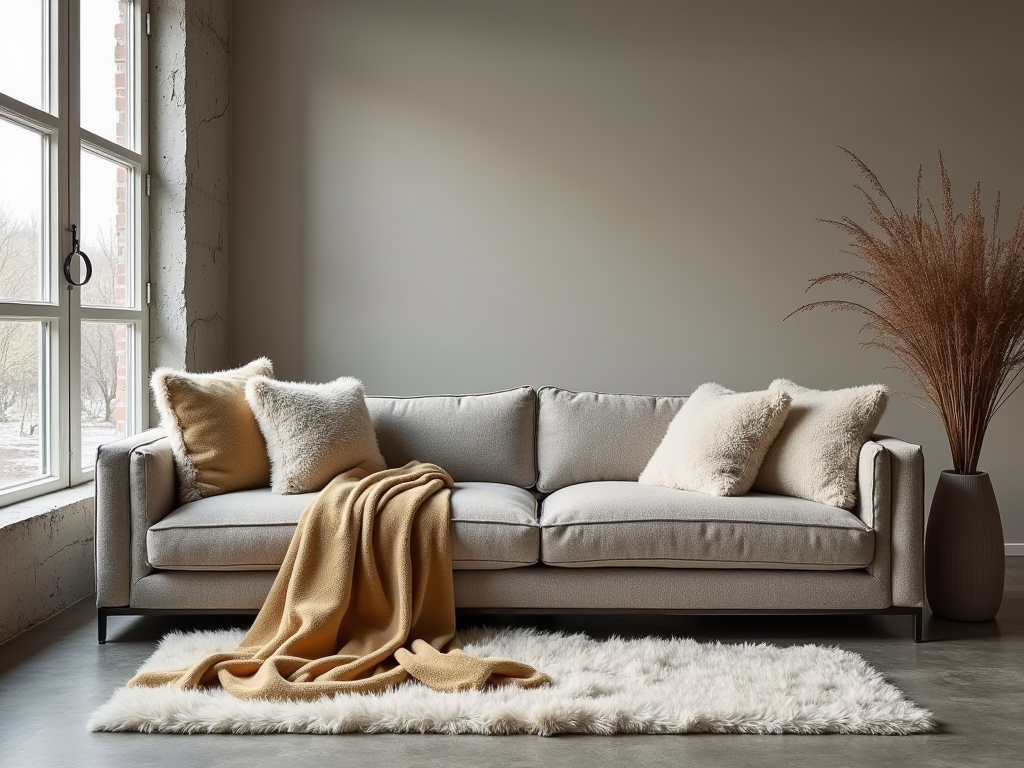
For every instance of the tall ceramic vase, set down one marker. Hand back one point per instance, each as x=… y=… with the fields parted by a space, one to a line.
x=964 y=553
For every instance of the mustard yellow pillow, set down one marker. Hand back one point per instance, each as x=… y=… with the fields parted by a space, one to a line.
x=217 y=444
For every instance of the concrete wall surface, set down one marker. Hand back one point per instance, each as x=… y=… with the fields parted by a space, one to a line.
x=190 y=49
x=453 y=196
x=48 y=561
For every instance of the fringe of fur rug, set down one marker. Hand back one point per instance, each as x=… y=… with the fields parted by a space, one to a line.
x=647 y=685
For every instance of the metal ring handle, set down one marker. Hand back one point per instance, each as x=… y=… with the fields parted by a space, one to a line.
x=67 y=268
x=69 y=259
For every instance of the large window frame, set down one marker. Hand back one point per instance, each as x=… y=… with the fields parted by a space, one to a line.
x=61 y=310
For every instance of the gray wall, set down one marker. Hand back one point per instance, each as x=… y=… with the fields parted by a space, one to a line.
x=449 y=196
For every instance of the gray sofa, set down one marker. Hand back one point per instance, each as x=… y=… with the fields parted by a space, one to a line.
x=546 y=516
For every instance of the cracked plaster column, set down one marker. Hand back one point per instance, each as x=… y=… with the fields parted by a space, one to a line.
x=189 y=52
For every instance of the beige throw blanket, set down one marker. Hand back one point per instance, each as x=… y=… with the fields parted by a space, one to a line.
x=363 y=600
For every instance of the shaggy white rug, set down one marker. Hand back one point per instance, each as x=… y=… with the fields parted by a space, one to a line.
x=647 y=685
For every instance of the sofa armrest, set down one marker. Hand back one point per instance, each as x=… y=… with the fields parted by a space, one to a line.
x=890 y=499
x=117 y=492
x=874 y=508
x=906 y=461
x=154 y=495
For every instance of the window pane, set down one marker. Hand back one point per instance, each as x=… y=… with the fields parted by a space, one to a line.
x=103 y=77
x=23 y=49
x=105 y=232
x=106 y=356
x=21 y=423
x=22 y=212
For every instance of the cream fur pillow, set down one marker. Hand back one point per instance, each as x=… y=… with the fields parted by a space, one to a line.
x=815 y=455
x=716 y=443
x=314 y=432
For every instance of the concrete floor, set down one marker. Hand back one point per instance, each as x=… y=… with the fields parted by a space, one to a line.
x=970 y=675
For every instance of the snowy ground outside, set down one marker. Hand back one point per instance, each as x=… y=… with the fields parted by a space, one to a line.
x=20 y=454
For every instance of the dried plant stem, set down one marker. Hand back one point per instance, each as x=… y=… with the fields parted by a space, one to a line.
x=950 y=304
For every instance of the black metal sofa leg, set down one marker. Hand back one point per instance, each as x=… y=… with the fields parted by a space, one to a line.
x=101 y=625
x=919 y=625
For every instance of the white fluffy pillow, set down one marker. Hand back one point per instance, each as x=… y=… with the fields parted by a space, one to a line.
x=815 y=455
x=716 y=443
x=314 y=432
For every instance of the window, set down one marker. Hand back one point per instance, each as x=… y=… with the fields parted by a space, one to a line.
x=73 y=165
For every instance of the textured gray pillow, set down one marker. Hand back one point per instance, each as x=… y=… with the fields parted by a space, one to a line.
x=815 y=455
x=488 y=438
x=717 y=441
x=586 y=437
x=314 y=432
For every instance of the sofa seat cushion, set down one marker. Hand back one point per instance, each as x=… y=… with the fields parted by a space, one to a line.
x=492 y=526
x=629 y=524
x=242 y=531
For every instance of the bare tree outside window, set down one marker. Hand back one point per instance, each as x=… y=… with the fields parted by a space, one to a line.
x=19 y=257
x=100 y=351
x=20 y=447
x=104 y=350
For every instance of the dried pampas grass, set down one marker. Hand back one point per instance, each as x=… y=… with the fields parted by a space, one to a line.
x=950 y=304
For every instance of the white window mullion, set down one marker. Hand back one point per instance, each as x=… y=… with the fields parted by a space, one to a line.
x=140 y=92
x=110 y=314
x=60 y=337
x=28 y=311
x=72 y=188
x=27 y=115
x=102 y=146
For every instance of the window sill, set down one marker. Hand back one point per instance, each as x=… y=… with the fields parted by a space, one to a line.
x=45 y=504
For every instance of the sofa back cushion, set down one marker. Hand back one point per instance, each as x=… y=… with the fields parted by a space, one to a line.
x=585 y=437
x=476 y=438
